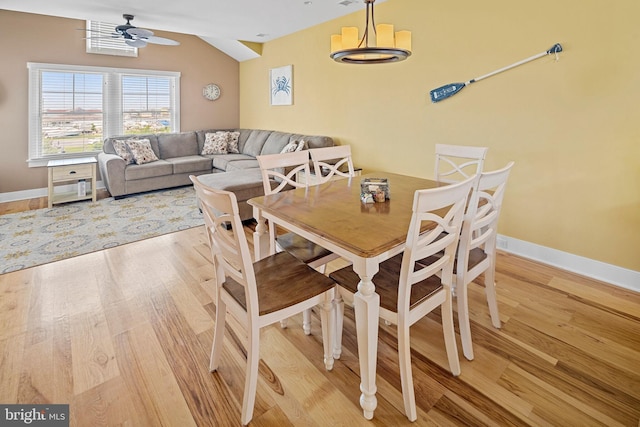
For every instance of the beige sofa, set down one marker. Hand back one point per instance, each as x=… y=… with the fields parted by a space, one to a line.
x=180 y=155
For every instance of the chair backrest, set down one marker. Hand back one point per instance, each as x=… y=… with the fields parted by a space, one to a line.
x=480 y=225
x=331 y=160
x=444 y=208
x=457 y=162
x=282 y=169
x=229 y=247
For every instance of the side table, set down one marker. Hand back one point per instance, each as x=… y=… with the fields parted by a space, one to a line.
x=71 y=170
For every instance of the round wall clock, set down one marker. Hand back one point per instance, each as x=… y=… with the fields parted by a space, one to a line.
x=211 y=92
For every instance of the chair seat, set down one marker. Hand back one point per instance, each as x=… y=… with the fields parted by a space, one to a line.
x=282 y=281
x=386 y=281
x=301 y=248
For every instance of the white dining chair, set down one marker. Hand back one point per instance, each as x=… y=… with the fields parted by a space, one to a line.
x=257 y=294
x=477 y=250
x=332 y=161
x=278 y=174
x=408 y=290
x=457 y=162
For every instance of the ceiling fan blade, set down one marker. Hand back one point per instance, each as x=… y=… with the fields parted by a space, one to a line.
x=161 y=40
x=140 y=32
x=136 y=43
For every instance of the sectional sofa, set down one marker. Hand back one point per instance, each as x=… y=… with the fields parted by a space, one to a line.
x=181 y=154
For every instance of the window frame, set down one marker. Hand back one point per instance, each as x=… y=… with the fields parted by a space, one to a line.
x=112 y=114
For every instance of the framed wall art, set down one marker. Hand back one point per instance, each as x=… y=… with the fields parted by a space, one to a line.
x=281 y=85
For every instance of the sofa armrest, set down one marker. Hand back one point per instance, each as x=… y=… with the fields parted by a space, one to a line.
x=112 y=169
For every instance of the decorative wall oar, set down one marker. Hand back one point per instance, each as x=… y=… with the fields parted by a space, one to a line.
x=451 y=89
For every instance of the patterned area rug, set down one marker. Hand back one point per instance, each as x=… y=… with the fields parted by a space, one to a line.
x=40 y=236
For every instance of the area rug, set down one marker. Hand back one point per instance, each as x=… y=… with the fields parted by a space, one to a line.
x=41 y=236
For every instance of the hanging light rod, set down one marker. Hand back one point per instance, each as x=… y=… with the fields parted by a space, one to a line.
x=389 y=47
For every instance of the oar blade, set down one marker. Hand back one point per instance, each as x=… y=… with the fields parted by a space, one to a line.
x=444 y=92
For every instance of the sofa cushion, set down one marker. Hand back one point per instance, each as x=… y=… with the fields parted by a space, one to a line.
x=177 y=144
x=255 y=142
x=275 y=142
x=314 y=141
x=243 y=164
x=148 y=170
x=245 y=184
x=221 y=161
x=188 y=164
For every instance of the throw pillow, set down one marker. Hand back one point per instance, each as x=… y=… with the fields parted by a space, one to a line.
x=290 y=147
x=122 y=150
x=141 y=151
x=215 y=143
x=232 y=141
x=302 y=144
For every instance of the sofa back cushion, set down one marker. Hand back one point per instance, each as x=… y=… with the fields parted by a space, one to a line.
x=314 y=141
x=275 y=143
x=254 y=142
x=177 y=144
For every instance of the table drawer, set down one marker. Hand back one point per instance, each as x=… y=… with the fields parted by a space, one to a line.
x=72 y=172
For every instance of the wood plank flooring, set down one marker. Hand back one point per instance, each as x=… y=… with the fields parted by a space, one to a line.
x=123 y=336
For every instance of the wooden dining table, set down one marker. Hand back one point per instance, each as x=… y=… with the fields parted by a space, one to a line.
x=366 y=234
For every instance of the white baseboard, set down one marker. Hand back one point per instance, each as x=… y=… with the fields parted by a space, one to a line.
x=598 y=270
x=609 y=273
x=39 y=192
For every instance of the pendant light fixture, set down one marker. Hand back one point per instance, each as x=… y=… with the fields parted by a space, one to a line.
x=389 y=47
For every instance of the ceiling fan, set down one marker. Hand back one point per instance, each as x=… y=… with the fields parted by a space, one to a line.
x=133 y=36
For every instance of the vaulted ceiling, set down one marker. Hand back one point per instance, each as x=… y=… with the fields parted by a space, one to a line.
x=222 y=23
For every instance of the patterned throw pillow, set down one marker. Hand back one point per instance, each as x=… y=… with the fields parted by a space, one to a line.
x=290 y=147
x=232 y=141
x=141 y=151
x=122 y=150
x=215 y=143
x=302 y=144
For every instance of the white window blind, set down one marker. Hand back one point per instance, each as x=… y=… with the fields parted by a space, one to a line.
x=146 y=102
x=73 y=108
x=100 y=40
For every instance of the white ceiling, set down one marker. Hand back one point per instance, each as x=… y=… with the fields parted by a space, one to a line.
x=219 y=22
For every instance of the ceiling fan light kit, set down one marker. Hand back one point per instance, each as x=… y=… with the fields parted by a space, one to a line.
x=390 y=46
x=137 y=37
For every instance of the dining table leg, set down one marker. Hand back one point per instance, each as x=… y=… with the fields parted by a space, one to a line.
x=366 y=304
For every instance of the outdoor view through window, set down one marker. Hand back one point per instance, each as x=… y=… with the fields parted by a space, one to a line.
x=75 y=108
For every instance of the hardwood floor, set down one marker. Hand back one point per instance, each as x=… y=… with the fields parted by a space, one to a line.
x=123 y=336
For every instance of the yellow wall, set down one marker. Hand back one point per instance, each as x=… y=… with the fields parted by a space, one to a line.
x=37 y=38
x=572 y=126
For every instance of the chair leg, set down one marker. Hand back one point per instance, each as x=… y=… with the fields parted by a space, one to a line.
x=450 y=335
x=218 y=336
x=327 y=320
x=338 y=304
x=492 y=298
x=406 y=376
x=283 y=323
x=251 y=380
x=306 y=321
x=463 y=321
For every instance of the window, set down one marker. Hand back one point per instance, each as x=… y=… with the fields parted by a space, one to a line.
x=72 y=109
x=100 y=40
